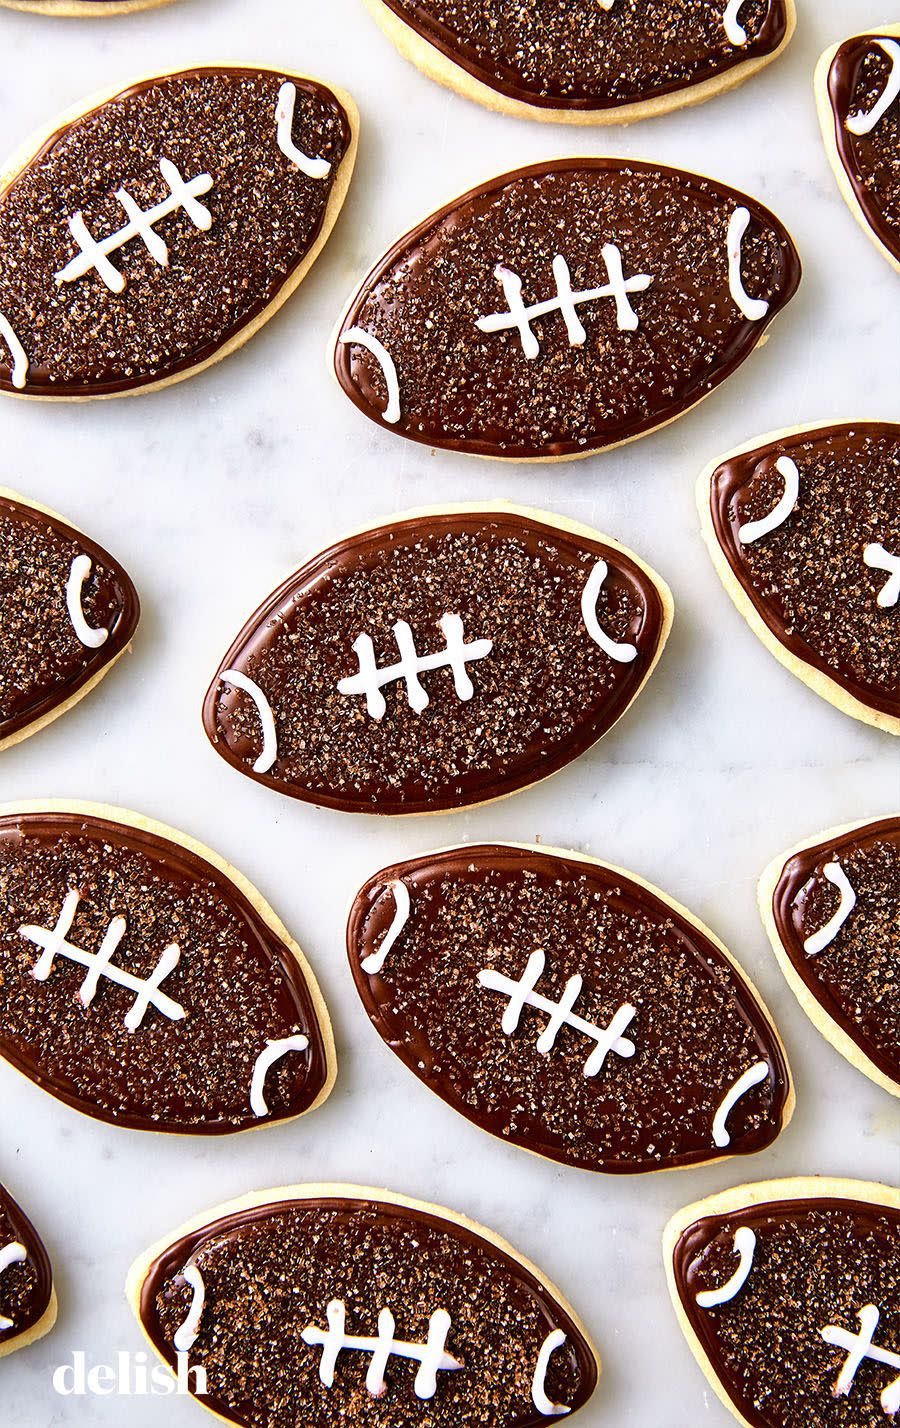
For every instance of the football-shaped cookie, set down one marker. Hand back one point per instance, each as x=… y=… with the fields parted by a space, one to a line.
x=788 y=1293
x=858 y=91
x=608 y=62
x=145 y=982
x=568 y=1007
x=564 y=309
x=831 y=907
x=442 y=659
x=804 y=530
x=328 y=1304
x=68 y=611
x=27 y=1296
x=153 y=230
x=97 y=9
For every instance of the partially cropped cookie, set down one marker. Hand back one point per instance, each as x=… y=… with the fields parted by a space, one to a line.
x=831 y=907
x=68 y=611
x=152 y=231
x=143 y=981
x=327 y=1304
x=604 y=63
x=788 y=1293
x=443 y=659
x=564 y=309
x=569 y=1008
x=82 y=9
x=803 y=527
x=858 y=93
x=27 y=1296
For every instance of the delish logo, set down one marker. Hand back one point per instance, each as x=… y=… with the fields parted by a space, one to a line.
x=131 y=1376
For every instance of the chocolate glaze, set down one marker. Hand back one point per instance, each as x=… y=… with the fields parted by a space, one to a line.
x=238 y=983
x=544 y=694
x=467 y=390
x=84 y=340
x=27 y=1288
x=697 y=1027
x=856 y=80
x=817 y=1262
x=585 y=58
x=272 y=1270
x=42 y=661
x=807 y=579
x=853 y=977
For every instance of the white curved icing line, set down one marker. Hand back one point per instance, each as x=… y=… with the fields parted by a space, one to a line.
x=877 y=558
x=17 y=352
x=266 y=717
x=751 y=1077
x=753 y=530
x=621 y=653
x=745 y=1246
x=733 y=28
x=78 y=574
x=826 y=935
x=284 y=118
x=273 y=1051
x=186 y=1334
x=542 y=1403
x=14 y=1253
x=860 y=1347
x=753 y=308
x=383 y=357
x=376 y=960
x=865 y=123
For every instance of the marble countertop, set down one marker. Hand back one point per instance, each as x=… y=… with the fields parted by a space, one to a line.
x=213 y=491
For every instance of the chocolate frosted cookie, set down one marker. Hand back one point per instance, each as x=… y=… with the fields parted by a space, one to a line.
x=441 y=660
x=150 y=232
x=803 y=527
x=327 y=1304
x=858 y=92
x=27 y=1296
x=605 y=63
x=831 y=907
x=564 y=309
x=569 y=1008
x=788 y=1293
x=145 y=982
x=68 y=611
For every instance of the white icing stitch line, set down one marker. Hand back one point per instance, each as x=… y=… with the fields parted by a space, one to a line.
x=284 y=118
x=14 y=1253
x=754 y=309
x=431 y=1357
x=455 y=656
x=877 y=558
x=745 y=1247
x=17 y=352
x=733 y=28
x=621 y=653
x=865 y=123
x=266 y=717
x=859 y=1348
x=272 y=1052
x=78 y=574
x=826 y=935
x=751 y=1077
x=753 y=530
x=376 y=960
x=384 y=359
x=186 y=1334
x=542 y=1403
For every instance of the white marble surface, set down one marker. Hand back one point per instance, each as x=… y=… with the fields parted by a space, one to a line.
x=212 y=492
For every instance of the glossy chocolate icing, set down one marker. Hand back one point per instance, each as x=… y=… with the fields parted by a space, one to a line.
x=807 y=579
x=577 y=57
x=25 y=1288
x=270 y=1271
x=42 y=661
x=852 y=978
x=856 y=80
x=543 y=696
x=697 y=1025
x=817 y=1262
x=238 y=983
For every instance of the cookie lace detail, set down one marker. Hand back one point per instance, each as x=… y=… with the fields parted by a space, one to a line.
x=431 y=1357
x=14 y=1253
x=860 y=124
x=90 y=637
x=17 y=352
x=456 y=656
x=284 y=119
x=877 y=558
x=859 y=1348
